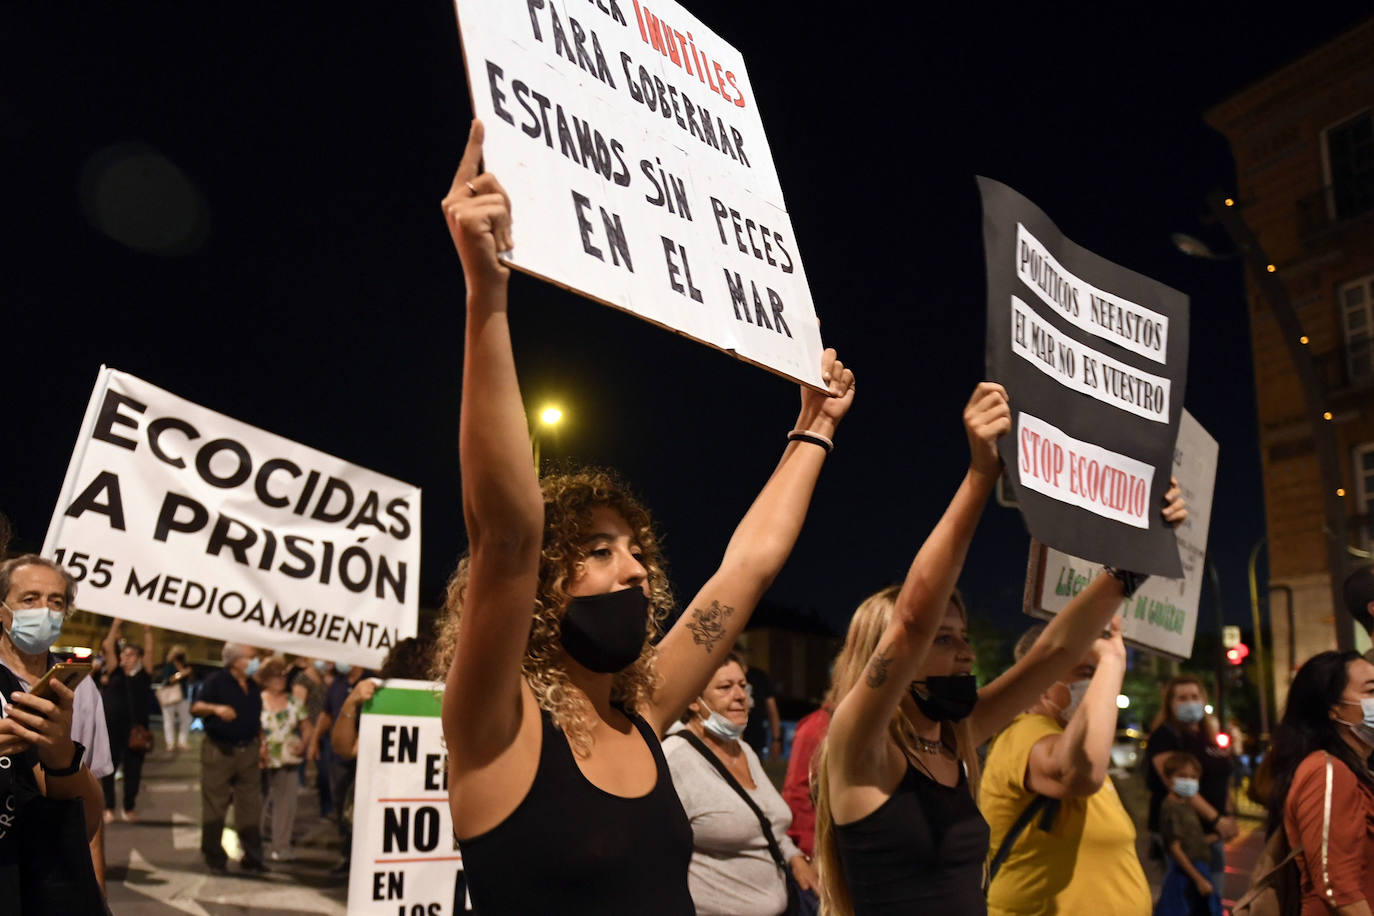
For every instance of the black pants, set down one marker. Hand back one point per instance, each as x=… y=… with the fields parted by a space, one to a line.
x=341 y=788
x=133 y=772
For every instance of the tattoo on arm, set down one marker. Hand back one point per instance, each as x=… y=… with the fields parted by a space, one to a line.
x=877 y=669
x=708 y=626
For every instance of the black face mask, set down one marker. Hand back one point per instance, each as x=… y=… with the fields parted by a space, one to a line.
x=604 y=633
x=948 y=699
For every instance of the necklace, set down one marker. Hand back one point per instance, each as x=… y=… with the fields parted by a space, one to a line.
x=926 y=746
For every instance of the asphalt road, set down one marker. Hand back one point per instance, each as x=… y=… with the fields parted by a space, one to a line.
x=154 y=866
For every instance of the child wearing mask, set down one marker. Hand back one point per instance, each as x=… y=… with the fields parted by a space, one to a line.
x=1189 y=887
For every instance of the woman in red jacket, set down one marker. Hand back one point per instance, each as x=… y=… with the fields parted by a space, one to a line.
x=1323 y=788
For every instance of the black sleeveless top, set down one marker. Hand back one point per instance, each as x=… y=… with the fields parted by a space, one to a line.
x=570 y=847
x=924 y=846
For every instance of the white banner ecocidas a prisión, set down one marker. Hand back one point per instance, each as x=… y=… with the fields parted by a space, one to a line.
x=629 y=139
x=180 y=517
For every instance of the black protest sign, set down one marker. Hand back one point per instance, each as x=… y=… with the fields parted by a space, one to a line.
x=1094 y=358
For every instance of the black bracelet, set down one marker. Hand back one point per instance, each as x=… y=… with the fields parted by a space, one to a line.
x=805 y=435
x=1130 y=581
x=71 y=768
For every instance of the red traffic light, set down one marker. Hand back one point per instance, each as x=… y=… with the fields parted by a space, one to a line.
x=1237 y=653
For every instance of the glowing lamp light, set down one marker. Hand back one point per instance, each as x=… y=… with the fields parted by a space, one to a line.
x=550 y=416
x=1236 y=654
x=1326 y=415
x=1303 y=340
x=81 y=652
x=1230 y=202
x=1223 y=740
x=1271 y=268
x=1340 y=491
x=1208 y=709
x=1123 y=701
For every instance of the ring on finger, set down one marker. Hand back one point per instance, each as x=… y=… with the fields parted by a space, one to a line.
x=471 y=188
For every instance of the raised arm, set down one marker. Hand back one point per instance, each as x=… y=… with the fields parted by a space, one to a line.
x=1075 y=763
x=1065 y=641
x=149 y=663
x=344 y=737
x=706 y=631
x=861 y=718
x=110 y=645
x=502 y=506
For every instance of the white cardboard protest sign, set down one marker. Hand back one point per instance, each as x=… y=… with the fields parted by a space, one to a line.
x=629 y=138
x=180 y=517
x=404 y=858
x=1162 y=617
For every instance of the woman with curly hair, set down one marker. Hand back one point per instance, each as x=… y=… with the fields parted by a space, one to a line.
x=898 y=828
x=556 y=695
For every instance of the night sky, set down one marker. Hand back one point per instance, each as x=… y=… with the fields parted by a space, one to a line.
x=305 y=282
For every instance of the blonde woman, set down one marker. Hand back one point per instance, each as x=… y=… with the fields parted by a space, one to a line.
x=556 y=694
x=898 y=829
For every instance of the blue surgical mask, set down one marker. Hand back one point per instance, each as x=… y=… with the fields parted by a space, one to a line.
x=1185 y=786
x=252 y=668
x=1188 y=713
x=720 y=726
x=342 y=668
x=35 y=629
x=321 y=665
x=1363 y=730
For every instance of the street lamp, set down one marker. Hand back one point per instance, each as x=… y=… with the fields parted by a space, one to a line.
x=1196 y=248
x=549 y=418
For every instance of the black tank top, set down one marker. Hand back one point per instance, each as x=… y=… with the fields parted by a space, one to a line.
x=924 y=846
x=570 y=847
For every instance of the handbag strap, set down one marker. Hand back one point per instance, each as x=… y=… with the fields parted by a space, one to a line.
x=1326 y=829
x=1265 y=881
x=773 y=849
x=1041 y=803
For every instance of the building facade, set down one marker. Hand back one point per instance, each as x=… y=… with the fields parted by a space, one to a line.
x=1303 y=143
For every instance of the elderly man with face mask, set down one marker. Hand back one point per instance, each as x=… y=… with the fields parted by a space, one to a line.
x=230 y=705
x=64 y=736
x=1075 y=850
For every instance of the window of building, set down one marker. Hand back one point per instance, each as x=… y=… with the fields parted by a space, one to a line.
x=1357 y=318
x=1350 y=166
x=1364 y=491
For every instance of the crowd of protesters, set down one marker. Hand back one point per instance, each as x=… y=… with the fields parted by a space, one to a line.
x=603 y=761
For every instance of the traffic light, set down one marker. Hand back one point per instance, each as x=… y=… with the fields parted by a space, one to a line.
x=1237 y=653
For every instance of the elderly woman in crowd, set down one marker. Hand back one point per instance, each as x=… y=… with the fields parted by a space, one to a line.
x=737 y=869
x=286 y=730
